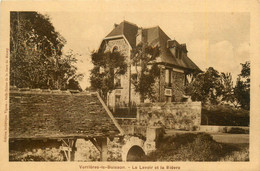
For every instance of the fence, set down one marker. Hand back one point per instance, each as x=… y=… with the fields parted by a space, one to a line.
x=124 y=112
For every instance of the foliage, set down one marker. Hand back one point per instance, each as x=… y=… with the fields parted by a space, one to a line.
x=197 y=147
x=242 y=88
x=41 y=155
x=147 y=71
x=188 y=147
x=238 y=155
x=107 y=66
x=224 y=115
x=227 y=91
x=36 y=59
x=210 y=87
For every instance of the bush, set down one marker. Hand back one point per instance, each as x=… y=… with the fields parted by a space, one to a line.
x=187 y=147
x=241 y=155
x=197 y=147
x=224 y=115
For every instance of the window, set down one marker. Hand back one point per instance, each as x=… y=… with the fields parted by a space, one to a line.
x=115 y=49
x=168 y=80
x=118 y=81
x=117 y=100
x=180 y=54
x=134 y=77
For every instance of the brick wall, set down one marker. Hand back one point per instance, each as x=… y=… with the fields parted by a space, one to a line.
x=176 y=115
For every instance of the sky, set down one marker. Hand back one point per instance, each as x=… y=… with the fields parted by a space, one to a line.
x=217 y=39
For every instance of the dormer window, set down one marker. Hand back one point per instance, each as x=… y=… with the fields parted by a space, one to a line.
x=177 y=52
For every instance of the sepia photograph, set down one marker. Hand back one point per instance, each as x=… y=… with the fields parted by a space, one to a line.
x=135 y=86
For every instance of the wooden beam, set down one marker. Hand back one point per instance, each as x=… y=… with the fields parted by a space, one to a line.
x=69 y=148
x=96 y=144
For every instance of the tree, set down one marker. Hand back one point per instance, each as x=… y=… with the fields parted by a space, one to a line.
x=36 y=58
x=147 y=71
x=207 y=87
x=107 y=67
x=242 y=88
x=227 y=92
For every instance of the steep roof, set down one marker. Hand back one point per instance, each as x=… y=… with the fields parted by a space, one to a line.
x=40 y=114
x=129 y=30
x=153 y=36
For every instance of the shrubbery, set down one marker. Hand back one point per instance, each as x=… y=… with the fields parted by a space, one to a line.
x=224 y=115
x=196 y=147
x=242 y=155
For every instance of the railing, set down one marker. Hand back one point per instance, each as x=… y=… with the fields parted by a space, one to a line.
x=124 y=112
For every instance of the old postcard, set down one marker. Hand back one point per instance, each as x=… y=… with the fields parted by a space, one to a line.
x=130 y=85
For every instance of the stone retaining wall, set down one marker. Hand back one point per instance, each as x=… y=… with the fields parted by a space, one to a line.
x=176 y=115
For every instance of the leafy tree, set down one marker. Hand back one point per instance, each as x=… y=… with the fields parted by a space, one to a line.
x=227 y=92
x=36 y=59
x=107 y=67
x=207 y=87
x=147 y=71
x=242 y=88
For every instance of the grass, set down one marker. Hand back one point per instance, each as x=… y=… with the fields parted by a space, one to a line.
x=197 y=147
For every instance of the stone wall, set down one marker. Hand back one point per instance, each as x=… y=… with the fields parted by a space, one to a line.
x=114 y=148
x=123 y=91
x=49 y=150
x=176 y=115
x=177 y=86
x=122 y=45
x=86 y=151
x=35 y=150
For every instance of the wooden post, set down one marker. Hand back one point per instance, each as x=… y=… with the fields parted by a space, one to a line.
x=101 y=145
x=103 y=148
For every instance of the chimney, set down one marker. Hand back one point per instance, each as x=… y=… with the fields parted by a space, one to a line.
x=115 y=25
x=184 y=47
x=139 y=36
x=171 y=43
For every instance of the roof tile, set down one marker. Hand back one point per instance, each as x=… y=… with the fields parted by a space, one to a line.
x=47 y=115
x=153 y=36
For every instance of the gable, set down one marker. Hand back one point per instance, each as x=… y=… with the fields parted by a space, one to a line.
x=119 y=43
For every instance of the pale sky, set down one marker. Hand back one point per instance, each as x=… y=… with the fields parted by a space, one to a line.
x=219 y=40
